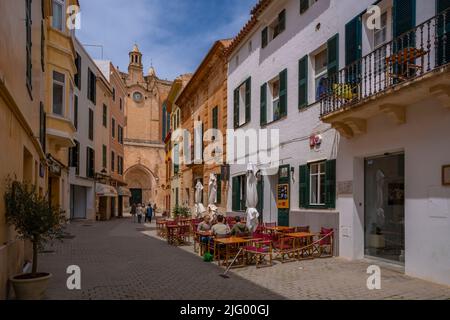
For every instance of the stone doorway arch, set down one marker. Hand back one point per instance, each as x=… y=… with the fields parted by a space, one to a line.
x=142 y=182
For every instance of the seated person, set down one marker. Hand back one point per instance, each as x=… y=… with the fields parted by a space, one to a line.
x=205 y=225
x=220 y=229
x=239 y=227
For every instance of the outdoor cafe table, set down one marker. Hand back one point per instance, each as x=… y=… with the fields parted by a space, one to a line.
x=299 y=236
x=228 y=244
x=278 y=229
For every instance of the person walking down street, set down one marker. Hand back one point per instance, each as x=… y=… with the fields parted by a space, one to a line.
x=154 y=209
x=133 y=211
x=140 y=213
x=149 y=213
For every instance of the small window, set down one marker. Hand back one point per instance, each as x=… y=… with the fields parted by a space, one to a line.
x=113 y=128
x=305 y=5
x=274 y=29
x=90 y=163
x=105 y=156
x=274 y=99
x=250 y=46
x=92 y=86
x=114 y=94
x=58 y=15
x=242 y=103
x=105 y=116
x=91 y=124
x=317 y=183
x=236 y=60
x=58 y=93
x=320 y=72
x=113 y=161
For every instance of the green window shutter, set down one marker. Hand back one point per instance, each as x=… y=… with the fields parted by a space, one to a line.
x=353 y=40
x=330 y=184
x=304 y=186
x=304 y=5
x=236 y=108
x=404 y=13
x=235 y=194
x=263 y=108
x=248 y=100
x=283 y=93
x=219 y=188
x=303 y=82
x=265 y=37
x=282 y=21
x=333 y=56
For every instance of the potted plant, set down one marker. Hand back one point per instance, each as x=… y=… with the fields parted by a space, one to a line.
x=181 y=212
x=35 y=220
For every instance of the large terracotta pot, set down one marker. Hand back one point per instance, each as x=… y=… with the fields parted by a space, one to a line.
x=30 y=287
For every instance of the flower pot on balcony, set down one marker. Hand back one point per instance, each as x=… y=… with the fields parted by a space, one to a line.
x=30 y=286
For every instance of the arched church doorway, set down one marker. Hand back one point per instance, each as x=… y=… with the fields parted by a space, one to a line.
x=140 y=181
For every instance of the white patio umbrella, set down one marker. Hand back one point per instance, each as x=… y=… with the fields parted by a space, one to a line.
x=212 y=195
x=252 y=198
x=199 y=207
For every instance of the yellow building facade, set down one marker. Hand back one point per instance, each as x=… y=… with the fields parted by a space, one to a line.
x=204 y=100
x=60 y=69
x=22 y=117
x=173 y=172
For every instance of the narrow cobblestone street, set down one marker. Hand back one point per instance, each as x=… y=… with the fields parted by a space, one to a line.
x=119 y=261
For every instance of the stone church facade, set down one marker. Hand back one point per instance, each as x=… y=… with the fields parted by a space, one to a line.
x=144 y=162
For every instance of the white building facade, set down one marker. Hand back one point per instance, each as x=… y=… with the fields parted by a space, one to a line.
x=359 y=96
x=82 y=182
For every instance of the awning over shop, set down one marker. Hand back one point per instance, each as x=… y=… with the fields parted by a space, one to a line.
x=104 y=190
x=124 y=192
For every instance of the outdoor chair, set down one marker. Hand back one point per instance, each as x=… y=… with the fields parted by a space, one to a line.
x=213 y=246
x=324 y=246
x=290 y=230
x=270 y=224
x=184 y=234
x=303 y=229
x=257 y=251
x=160 y=227
x=285 y=249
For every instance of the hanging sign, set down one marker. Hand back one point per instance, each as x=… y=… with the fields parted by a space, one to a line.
x=283 y=196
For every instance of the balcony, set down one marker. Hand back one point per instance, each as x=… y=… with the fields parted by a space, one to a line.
x=411 y=68
x=60 y=131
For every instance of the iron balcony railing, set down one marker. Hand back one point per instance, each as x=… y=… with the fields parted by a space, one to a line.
x=411 y=55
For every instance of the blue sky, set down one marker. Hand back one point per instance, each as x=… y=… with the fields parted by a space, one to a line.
x=174 y=34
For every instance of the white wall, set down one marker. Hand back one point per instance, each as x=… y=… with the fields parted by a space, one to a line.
x=424 y=140
x=82 y=134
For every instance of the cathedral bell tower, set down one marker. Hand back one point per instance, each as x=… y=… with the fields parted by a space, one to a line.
x=135 y=67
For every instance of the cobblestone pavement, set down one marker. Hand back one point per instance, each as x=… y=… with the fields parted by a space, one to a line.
x=122 y=260
x=117 y=262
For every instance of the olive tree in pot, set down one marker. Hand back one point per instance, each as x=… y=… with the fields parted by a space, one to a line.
x=35 y=220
